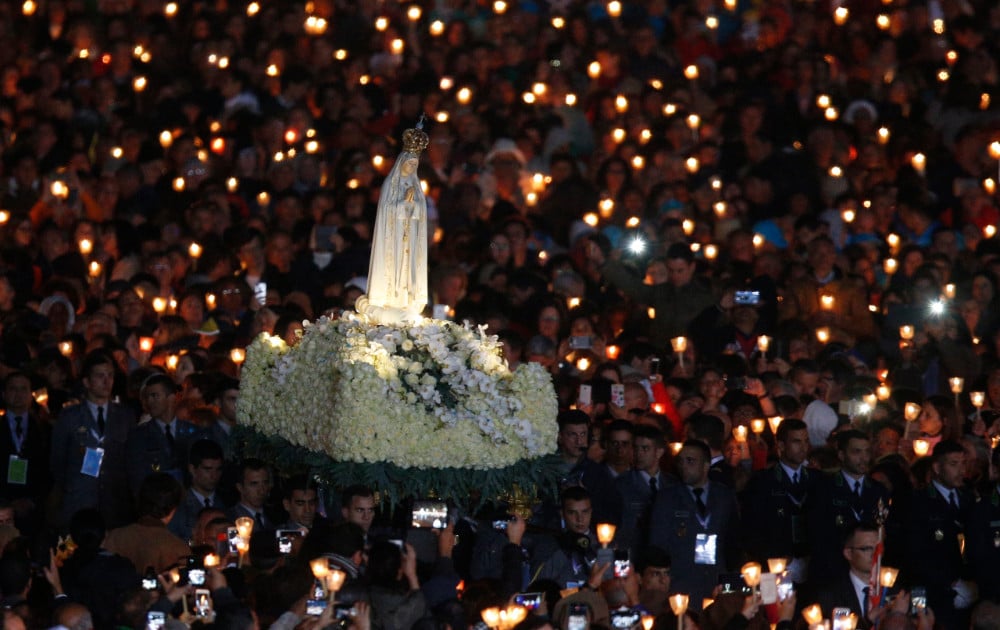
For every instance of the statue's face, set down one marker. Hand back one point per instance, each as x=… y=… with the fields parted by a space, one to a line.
x=409 y=167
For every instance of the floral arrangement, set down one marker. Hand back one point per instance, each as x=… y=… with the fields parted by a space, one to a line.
x=433 y=395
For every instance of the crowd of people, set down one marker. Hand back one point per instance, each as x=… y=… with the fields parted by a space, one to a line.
x=753 y=241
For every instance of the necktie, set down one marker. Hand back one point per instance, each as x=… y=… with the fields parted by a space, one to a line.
x=100 y=420
x=857 y=488
x=865 y=601
x=795 y=478
x=954 y=499
x=18 y=429
x=208 y=502
x=652 y=485
x=259 y=518
x=702 y=508
x=170 y=436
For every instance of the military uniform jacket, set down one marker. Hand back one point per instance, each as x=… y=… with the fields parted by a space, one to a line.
x=677 y=527
x=75 y=431
x=834 y=511
x=934 y=548
x=774 y=512
x=35 y=447
x=983 y=544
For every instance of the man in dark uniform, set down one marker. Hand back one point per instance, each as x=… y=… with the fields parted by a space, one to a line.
x=639 y=486
x=983 y=542
x=843 y=499
x=24 y=444
x=696 y=522
x=88 y=449
x=775 y=500
x=935 y=533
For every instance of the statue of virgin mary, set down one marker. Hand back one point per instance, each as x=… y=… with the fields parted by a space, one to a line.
x=397 y=272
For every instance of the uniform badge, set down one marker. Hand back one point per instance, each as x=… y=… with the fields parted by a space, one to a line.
x=996 y=540
x=840 y=520
x=938 y=535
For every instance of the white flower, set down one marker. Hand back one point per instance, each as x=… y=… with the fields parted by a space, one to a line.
x=345 y=391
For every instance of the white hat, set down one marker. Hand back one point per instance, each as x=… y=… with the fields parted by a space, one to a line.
x=506 y=146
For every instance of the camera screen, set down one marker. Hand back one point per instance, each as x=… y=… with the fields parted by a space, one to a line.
x=430 y=514
x=196 y=576
x=624 y=619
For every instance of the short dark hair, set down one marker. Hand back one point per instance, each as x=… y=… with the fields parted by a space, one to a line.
x=864 y=527
x=15 y=375
x=945 y=448
x=574 y=493
x=297 y=482
x=619 y=425
x=93 y=359
x=158 y=378
x=652 y=556
x=787 y=426
x=844 y=438
x=680 y=251
x=252 y=463
x=650 y=433
x=355 y=490
x=701 y=447
x=202 y=450
x=159 y=495
x=571 y=416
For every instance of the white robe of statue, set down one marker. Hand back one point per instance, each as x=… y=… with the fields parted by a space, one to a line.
x=397 y=272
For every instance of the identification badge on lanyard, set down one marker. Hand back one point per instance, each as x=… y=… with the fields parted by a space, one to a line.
x=705 y=548
x=17 y=470
x=92 y=460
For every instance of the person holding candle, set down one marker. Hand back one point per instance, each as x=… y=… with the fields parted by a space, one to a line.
x=573 y=563
x=935 y=534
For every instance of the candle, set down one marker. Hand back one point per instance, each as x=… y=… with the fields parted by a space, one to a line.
x=889 y=265
x=244 y=527
x=906 y=332
x=777 y=565
x=94 y=269
x=675 y=447
x=740 y=433
x=320 y=568
x=211 y=560
x=757 y=425
x=146 y=344
x=949 y=291
x=612 y=352
x=957 y=383
x=887 y=577
x=66 y=348
x=977 y=399
x=919 y=163
x=679 y=344
x=172 y=362
x=763 y=343
x=823 y=334
x=813 y=614
x=911 y=411
x=679 y=604
x=921 y=447
x=775 y=422
x=751 y=574
x=826 y=302
x=882 y=392
x=237 y=355
x=605 y=533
